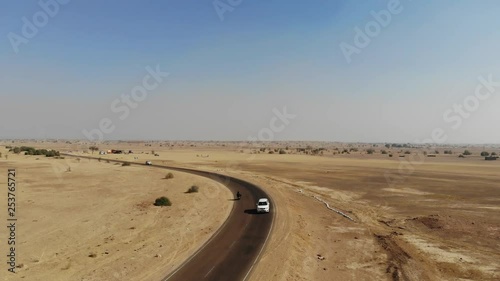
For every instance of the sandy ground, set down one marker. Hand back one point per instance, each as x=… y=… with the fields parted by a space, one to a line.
x=439 y=220
x=97 y=221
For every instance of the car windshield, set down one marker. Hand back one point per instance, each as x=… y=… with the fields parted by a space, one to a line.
x=262 y=203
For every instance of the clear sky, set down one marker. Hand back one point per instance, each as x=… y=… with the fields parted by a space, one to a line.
x=230 y=66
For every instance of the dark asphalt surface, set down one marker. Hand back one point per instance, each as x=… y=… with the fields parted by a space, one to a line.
x=230 y=254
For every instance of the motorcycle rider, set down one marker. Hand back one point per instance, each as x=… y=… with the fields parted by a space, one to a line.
x=238 y=195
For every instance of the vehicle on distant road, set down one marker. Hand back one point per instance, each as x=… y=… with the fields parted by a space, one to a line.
x=149 y=163
x=263 y=205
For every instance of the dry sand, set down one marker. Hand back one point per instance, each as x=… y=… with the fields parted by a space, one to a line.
x=97 y=222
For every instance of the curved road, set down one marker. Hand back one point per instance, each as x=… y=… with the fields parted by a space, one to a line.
x=232 y=251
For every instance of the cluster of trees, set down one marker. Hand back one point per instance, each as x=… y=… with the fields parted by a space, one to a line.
x=32 y=151
x=398 y=145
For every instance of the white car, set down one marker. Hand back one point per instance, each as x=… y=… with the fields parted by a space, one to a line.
x=149 y=163
x=263 y=205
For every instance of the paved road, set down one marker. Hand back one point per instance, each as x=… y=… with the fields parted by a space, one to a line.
x=230 y=254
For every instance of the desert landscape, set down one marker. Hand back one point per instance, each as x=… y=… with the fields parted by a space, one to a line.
x=233 y=140
x=357 y=215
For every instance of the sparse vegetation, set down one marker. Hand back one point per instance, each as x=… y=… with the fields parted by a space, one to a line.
x=370 y=151
x=466 y=152
x=282 y=151
x=169 y=176
x=485 y=153
x=162 y=201
x=193 y=189
x=126 y=164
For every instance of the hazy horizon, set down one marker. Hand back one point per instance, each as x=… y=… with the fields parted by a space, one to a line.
x=230 y=71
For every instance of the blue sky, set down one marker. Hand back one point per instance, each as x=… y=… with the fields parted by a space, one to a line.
x=227 y=76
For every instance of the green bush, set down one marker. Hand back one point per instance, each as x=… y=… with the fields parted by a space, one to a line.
x=193 y=189
x=162 y=201
x=484 y=153
x=370 y=151
x=169 y=176
x=466 y=152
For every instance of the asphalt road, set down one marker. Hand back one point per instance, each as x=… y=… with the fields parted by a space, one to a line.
x=233 y=250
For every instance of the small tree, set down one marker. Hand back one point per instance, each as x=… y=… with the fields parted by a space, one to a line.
x=492 y=154
x=193 y=189
x=466 y=152
x=370 y=151
x=93 y=148
x=162 y=201
x=485 y=153
x=383 y=152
